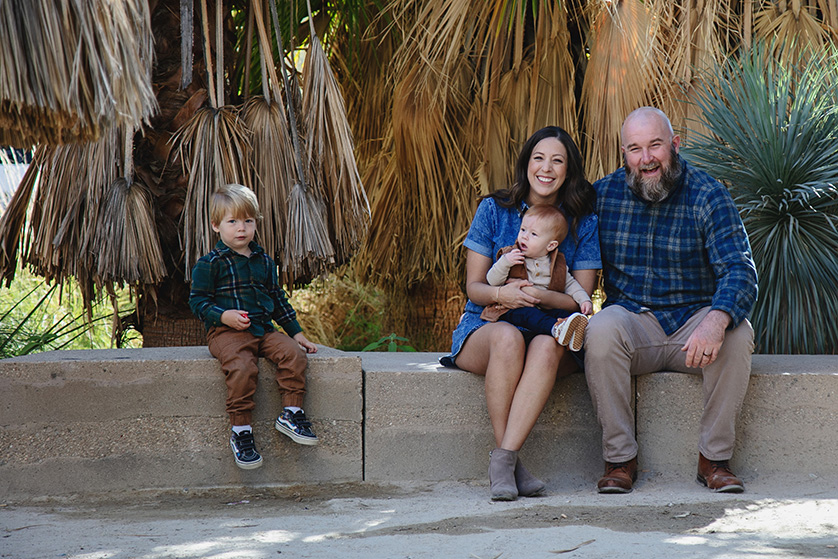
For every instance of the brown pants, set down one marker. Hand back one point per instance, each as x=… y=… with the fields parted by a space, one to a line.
x=239 y=352
x=620 y=344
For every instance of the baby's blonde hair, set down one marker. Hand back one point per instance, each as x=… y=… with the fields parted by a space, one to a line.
x=236 y=199
x=552 y=218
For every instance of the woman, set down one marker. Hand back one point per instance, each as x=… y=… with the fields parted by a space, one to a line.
x=520 y=369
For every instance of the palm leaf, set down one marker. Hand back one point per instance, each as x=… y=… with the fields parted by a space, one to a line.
x=71 y=69
x=214 y=149
x=624 y=72
x=273 y=170
x=329 y=143
x=794 y=32
x=13 y=221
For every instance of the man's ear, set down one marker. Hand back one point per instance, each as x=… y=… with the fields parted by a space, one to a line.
x=552 y=245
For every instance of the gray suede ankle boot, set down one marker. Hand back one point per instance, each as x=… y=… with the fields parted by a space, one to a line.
x=502 y=474
x=528 y=484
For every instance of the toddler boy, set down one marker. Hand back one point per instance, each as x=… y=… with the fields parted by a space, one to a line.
x=236 y=293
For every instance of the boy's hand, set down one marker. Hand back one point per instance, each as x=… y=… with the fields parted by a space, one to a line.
x=306 y=345
x=514 y=256
x=586 y=308
x=235 y=319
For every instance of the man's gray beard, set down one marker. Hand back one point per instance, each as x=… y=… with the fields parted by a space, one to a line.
x=655 y=190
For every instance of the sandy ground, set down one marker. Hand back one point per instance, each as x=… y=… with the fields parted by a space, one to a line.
x=663 y=518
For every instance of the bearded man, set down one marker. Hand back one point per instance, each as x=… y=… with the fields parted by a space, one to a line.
x=679 y=283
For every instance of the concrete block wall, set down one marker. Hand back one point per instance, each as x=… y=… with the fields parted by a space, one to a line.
x=788 y=422
x=97 y=421
x=425 y=421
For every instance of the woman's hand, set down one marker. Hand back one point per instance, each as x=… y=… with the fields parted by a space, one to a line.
x=481 y=293
x=518 y=293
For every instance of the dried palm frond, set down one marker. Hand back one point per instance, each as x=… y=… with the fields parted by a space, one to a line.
x=308 y=250
x=367 y=95
x=126 y=243
x=537 y=94
x=71 y=69
x=796 y=30
x=433 y=178
x=214 y=148
x=624 y=72
x=71 y=192
x=691 y=33
x=552 y=80
x=273 y=170
x=13 y=221
x=330 y=148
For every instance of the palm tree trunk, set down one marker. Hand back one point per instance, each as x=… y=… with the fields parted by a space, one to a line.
x=163 y=313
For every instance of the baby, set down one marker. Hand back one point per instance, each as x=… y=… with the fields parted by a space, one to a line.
x=534 y=257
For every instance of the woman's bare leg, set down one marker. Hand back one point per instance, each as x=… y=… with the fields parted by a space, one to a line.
x=497 y=352
x=534 y=387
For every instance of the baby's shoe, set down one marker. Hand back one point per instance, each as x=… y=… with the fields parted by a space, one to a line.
x=570 y=331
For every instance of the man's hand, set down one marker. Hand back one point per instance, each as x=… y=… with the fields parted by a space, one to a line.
x=235 y=319
x=304 y=343
x=703 y=345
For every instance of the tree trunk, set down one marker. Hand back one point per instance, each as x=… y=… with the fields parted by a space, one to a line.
x=433 y=311
x=164 y=315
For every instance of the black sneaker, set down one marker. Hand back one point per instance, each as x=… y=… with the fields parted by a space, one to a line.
x=244 y=450
x=296 y=426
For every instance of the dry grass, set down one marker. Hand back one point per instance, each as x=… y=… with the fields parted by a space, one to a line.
x=341 y=312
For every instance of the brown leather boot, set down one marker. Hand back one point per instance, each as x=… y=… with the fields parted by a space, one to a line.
x=502 y=474
x=716 y=475
x=619 y=477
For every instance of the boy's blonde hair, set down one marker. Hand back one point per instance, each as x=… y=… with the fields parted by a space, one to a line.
x=236 y=199
x=552 y=218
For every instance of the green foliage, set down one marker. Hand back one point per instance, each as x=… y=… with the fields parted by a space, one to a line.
x=36 y=317
x=774 y=141
x=391 y=343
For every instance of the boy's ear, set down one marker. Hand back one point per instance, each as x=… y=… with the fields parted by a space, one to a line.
x=215 y=227
x=552 y=245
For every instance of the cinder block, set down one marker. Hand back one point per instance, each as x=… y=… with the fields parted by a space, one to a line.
x=790 y=417
x=428 y=422
x=787 y=424
x=95 y=421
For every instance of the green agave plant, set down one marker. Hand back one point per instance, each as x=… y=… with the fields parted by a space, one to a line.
x=773 y=139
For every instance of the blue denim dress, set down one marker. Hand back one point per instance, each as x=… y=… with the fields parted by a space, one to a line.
x=495 y=227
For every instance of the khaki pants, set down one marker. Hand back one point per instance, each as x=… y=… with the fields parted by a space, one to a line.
x=620 y=344
x=239 y=352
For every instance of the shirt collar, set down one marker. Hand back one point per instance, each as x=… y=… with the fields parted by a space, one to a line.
x=254 y=248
